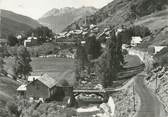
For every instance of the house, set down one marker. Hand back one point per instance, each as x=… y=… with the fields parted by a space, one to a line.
x=125 y=46
x=31 y=41
x=135 y=41
x=43 y=87
x=158 y=49
x=32 y=78
x=22 y=90
x=48 y=88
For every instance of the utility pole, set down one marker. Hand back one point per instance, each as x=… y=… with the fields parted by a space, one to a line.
x=0 y=25
x=85 y=21
x=134 y=96
x=156 y=83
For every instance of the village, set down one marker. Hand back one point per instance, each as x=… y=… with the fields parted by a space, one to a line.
x=46 y=88
x=103 y=59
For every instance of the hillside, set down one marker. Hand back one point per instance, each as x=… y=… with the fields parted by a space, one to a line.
x=7 y=92
x=154 y=21
x=13 y=23
x=123 y=12
x=158 y=24
x=58 y=19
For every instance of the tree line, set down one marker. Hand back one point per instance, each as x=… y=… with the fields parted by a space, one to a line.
x=42 y=33
x=21 y=68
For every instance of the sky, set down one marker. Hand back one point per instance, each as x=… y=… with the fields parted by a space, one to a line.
x=36 y=8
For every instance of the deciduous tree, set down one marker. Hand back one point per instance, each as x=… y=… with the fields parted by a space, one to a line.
x=12 y=40
x=1 y=65
x=110 y=62
x=23 y=67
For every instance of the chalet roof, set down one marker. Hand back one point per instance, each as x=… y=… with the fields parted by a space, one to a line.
x=22 y=87
x=29 y=38
x=47 y=80
x=57 y=76
x=68 y=75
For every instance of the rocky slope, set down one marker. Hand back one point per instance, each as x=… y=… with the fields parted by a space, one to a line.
x=123 y=12
x=58 y=19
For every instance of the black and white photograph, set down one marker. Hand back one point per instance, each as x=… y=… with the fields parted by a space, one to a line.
x=83 y=58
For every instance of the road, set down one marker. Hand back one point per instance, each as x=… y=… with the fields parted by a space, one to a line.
x=150 y=106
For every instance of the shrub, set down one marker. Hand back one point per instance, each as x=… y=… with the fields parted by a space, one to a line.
x=64 y=82
x=12 y=108
x=163 y=61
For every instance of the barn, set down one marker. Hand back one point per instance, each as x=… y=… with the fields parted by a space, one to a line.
x=43 y=87
x=48 y=88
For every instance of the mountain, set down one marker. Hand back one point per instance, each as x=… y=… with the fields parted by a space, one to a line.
x=12 y=23
x=58 y=19
x=120 y=12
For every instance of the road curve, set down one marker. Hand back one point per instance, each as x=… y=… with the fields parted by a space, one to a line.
x=150 y=106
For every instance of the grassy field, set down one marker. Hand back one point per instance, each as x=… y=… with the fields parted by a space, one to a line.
x=132 y=61
x=62 y=68
x=58 y=68
x=52 y=64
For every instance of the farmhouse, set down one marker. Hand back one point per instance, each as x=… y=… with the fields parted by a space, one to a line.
x=158 y=48
x=154 y=49
x=31 y=41
x=32 y=78
x=44 y=87
x=135 y=41
x=22 y=90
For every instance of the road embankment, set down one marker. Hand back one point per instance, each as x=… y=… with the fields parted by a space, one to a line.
x=150 y=105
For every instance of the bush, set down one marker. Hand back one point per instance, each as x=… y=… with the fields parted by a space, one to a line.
x=141 y=31
x=70 y=112
x=163 y=61
x=64 y=82
x=12 y=50
x=12 y=108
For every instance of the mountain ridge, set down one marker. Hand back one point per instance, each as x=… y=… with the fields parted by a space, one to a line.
x=19 y=18
x=13 y=23
x=58 y=19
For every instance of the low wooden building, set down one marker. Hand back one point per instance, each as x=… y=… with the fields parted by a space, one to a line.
x=48 y=88
x=21 y=90
x=43 y=87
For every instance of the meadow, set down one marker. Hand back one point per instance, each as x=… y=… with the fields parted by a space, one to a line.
x=52 y=64
x=57 y=68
